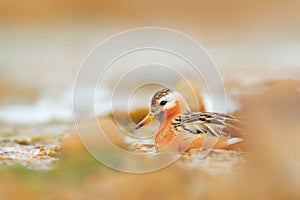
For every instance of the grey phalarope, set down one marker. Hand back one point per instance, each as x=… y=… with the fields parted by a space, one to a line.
x=171 y=109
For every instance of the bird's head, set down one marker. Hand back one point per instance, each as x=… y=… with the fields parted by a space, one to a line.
x=165 y=103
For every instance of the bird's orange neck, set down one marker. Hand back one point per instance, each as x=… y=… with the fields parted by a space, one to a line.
x=164 y=136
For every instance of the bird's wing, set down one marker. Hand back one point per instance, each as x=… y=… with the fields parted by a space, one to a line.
x=214 y=124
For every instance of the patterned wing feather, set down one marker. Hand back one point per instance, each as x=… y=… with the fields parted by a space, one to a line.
x=215 y=124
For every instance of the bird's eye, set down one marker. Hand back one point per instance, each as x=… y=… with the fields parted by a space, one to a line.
x=162 y=103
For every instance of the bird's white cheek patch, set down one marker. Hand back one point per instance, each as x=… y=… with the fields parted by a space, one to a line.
x=169 y=105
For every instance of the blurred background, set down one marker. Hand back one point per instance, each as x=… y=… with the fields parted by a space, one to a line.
x=255 y=45
x=43 y=43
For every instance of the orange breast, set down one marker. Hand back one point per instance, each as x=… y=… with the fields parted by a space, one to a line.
x=163 y=138
x=165 y=135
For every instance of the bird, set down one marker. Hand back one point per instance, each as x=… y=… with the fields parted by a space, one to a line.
x=195 y=130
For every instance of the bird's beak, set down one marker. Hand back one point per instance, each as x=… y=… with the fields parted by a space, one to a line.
x=145 y=121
